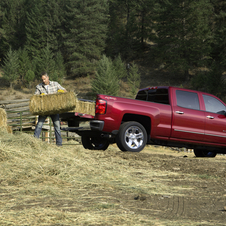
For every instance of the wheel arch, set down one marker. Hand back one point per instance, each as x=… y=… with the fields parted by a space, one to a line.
x=144 y=120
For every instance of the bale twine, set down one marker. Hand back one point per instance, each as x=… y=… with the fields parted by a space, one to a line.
x=52 y=103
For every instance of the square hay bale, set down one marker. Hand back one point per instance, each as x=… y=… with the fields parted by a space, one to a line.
x=85 y=107
x=3 y=118
x=52 y=103
x=3 y=121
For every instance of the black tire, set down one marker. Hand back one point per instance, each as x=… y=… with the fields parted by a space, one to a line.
x=94 y=143
x=204 y=153
x=132 y=137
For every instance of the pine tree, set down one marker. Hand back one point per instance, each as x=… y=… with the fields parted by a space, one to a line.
x=29 y=77
x=24 y=63
x=3 y=45
x=35 y=28
x=53 y=15
x=59 y=69
x=219 y=27
x=47 y=62
x=212 y=79
x=59 y=66
x=183 y=34
x=216 y=81
x=105 y=81
x=10 y=67
x=12 y=32
x=145 y=21
x=133 y=79
x=85 y=34
x=131 y=24
x=121 y=27
x=120 y=67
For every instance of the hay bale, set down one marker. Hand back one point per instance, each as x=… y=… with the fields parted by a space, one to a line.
x=53 y=103
x=3 y=118
x=85 y=107
x=3 y=121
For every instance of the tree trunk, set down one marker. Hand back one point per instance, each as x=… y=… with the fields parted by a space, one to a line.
x=187 y=75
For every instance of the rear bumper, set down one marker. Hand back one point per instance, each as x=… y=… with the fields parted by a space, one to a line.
x=97 y=125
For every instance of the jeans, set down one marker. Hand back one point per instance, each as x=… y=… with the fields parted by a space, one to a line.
x=56 y=123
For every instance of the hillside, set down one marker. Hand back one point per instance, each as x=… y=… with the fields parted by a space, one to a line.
x=151 y=75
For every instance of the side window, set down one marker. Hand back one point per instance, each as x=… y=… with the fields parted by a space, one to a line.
x=187 y=99
x=213 y=105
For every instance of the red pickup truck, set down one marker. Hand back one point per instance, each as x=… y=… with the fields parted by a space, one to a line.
x=167 y=116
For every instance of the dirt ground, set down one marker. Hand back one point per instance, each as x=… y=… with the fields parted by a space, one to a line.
x=201 y=202
x=203 y=199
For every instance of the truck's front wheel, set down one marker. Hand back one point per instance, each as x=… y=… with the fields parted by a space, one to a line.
x=204 y=153
x=94 y=143
x=132 y=137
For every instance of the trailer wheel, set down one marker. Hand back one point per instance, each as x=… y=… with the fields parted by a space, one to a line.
x=94 y=143
x=132 y=137
x=204 y=153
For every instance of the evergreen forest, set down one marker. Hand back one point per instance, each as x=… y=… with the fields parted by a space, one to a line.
x=72 y=37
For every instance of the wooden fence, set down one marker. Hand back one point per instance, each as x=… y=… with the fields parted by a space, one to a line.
x=20 y=119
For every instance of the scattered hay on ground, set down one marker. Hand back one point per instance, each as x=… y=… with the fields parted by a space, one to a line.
x=42 y=184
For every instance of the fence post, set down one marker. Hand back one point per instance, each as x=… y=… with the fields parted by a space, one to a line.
x=50 y=129
x=20 y=121
x=47 y=133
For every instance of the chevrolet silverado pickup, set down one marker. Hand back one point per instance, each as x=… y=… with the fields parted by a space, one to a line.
x=167 y=116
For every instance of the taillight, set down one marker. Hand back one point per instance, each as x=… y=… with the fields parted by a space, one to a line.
x=101 y=106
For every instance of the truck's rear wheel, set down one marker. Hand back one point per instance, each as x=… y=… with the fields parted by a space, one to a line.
x=204 y=153
x=94 y=143
x=132 y=137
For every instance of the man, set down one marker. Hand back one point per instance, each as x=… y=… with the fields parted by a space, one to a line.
x=48 y=87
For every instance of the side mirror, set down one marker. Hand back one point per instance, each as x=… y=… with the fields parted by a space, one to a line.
x=221 y=112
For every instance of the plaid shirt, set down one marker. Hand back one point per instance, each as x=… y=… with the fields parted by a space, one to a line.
x=52 y=88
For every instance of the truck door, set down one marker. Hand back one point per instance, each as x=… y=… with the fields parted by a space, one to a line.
x=215 y=129
x=188 y=120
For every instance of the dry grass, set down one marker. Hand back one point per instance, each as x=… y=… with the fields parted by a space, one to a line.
x=42 y=184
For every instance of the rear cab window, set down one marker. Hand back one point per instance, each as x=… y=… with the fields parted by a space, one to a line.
x=154 y=95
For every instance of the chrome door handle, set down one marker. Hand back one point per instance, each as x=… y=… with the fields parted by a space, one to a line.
x=210 y=117
x=180 y=112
